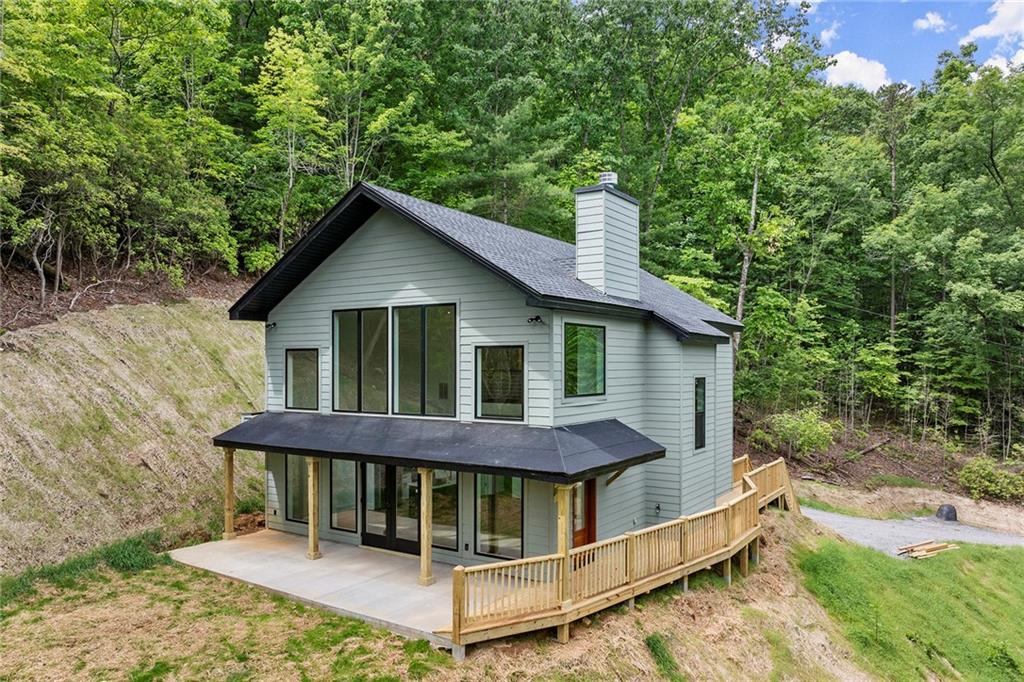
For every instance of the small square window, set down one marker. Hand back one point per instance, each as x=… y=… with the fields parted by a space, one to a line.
x=302 y=379
x=499 y=382
x=584 y=360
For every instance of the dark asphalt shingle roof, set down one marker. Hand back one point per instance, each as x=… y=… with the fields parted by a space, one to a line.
x=542 y=266
x=562 y=454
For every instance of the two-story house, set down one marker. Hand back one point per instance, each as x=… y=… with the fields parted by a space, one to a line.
x=454 y=384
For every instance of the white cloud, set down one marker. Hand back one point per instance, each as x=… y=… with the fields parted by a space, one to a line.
x=931 y=21
x=852 y=69
x=830 y=34
x=1005 y=63
x=1007 y=22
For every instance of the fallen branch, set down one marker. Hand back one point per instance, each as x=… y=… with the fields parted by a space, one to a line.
x=872 y=448
x=90 y=286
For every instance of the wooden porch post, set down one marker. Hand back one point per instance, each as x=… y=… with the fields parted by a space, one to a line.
x=426 y=525
x=313 y=507
x=229 y=493
x=562 y=498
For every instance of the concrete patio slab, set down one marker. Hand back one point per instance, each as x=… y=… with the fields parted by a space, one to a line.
x=374 y=586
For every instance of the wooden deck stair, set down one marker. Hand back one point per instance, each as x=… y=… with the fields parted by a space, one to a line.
x=510 y=597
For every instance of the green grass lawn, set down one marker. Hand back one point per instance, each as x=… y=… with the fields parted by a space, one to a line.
x=960 y=613
x=813 y=503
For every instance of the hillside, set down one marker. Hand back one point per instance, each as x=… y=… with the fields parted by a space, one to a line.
x=105 y=420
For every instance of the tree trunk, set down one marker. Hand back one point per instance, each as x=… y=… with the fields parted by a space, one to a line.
x=748 y=256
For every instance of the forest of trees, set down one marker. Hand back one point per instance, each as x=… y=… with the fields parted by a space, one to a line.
x=872 y=244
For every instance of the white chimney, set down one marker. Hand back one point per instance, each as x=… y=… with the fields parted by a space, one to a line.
x=608 y=238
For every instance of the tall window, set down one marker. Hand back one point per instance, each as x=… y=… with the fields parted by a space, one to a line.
x=301 y=379
x=424 y=347
x=699 y=419
x=445 y=504
x=343 y=494
x=296 y=498
x=584 y=360
x=361 y=360
x=499 y=382
x=499 y=516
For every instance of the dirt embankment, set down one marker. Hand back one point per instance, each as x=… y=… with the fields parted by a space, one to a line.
x=105 y=421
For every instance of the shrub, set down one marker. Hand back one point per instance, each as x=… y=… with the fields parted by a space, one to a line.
x=663 y=657
x=799 y=433
x=982 y=477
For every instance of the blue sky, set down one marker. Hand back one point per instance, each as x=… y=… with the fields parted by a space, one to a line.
x=891 y=41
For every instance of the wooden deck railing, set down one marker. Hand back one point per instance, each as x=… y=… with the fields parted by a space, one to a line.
x=509 y=597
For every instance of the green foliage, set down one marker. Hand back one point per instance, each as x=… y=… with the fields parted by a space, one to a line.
x=130 y=555
x=663 y=658
x=897 y=613
x=798 y=433
x=982 y=477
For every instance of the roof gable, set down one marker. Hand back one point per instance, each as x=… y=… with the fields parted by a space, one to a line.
x=541 y=267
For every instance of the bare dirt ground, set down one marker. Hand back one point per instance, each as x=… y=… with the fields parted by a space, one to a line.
x=19 y=293
x=192 y=625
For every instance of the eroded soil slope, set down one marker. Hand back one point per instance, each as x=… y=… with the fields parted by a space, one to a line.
x=105 y=424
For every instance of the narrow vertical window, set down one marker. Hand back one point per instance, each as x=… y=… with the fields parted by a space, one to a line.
x=296 y=477
x=343 y=494
x=699 y=418
x=301 y=379
x=499 y=382
x=499 y=516
x=445 y=504
x=361 y=360
x=584 y=354
x=424 y=349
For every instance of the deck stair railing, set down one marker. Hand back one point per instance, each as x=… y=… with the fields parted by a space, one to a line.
x=508 y=597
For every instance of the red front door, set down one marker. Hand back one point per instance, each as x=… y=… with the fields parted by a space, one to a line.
x=584 y=512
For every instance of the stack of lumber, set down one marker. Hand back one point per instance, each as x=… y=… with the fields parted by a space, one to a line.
x=928 y=548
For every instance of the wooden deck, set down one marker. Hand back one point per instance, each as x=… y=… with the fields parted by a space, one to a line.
x=510 y=597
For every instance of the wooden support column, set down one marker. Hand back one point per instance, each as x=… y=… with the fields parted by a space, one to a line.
x=563 y=496
x=745 y=560
x=229 y=493
x=313 y=506
x=727 y=571
x=426 y=525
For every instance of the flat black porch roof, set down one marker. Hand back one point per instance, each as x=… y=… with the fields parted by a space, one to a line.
x=561 y=454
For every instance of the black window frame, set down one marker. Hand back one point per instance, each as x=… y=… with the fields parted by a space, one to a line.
x=477 y=386
x=393 y=378
x=565 y=365
x=458 y=512
x=476 y=518
x=330 y=494
x=286 y=510
x=318 y=387
x=700 y=421
x=359 y=359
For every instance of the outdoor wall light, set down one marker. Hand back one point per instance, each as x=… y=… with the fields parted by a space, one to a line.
x=536 y=319
x=271 y=325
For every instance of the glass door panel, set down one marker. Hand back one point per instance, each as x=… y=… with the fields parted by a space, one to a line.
x=407 y=505
x=375 y=522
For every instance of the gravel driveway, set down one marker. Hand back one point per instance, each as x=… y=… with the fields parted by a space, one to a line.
x=887 y=536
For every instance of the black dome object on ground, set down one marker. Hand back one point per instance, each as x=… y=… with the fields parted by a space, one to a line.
x=946 y=512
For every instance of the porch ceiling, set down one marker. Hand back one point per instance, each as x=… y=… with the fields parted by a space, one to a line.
x=562 y=454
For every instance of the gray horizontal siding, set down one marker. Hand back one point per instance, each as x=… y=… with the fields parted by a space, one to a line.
x=390 y=262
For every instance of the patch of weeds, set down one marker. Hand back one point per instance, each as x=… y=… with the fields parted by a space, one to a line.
x=707 y=580
x=852 y=455
x=784 y=665
x=126 y=556
x=158 y=671
x=423 y=659
x=893 y=481
x=663 y=658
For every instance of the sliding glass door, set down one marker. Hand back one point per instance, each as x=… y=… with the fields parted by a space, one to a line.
x=391 y=515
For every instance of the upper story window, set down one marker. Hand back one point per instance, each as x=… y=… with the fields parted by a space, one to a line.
x=499 y=382
x=361 y=360
x=301 y=378
x=424 y=357
x=584 y=360
x=699 y=414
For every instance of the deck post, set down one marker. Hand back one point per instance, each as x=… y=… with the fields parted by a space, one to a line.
x=426 y=525
x=229 y=493
x=755 y=550
x=562 y=499
x=313 y=507
x=727 y=571
x=745 y=560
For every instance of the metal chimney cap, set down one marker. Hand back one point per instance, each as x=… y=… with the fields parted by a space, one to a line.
x=608 y=178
